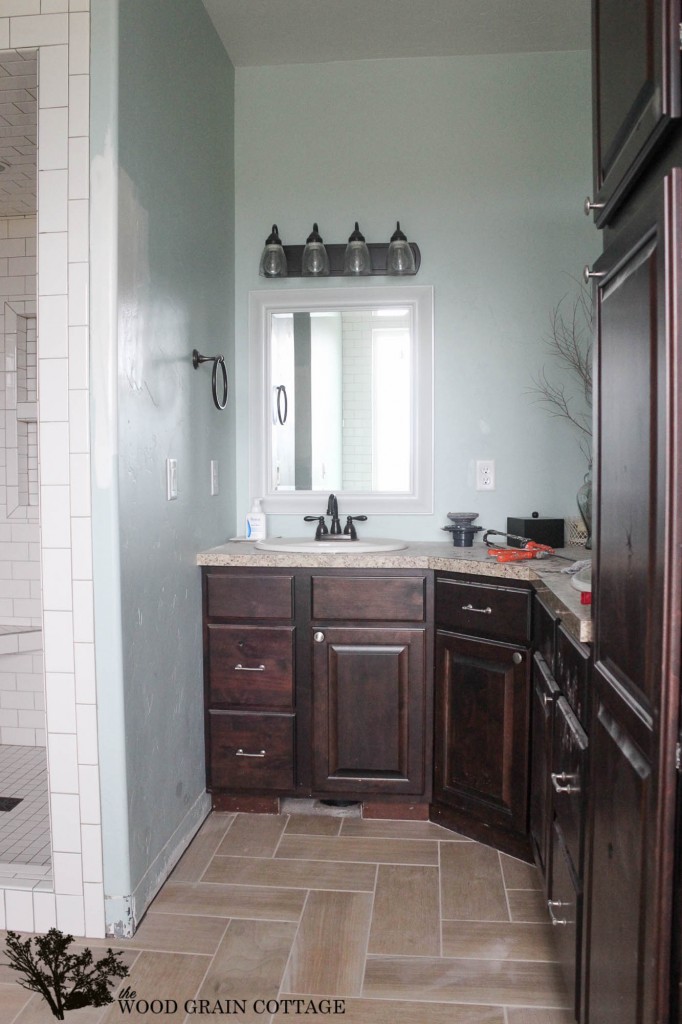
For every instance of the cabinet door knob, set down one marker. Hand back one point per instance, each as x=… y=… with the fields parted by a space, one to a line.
x=517 y=657
x=588 y=274
x=589 y=206
x=318 y=637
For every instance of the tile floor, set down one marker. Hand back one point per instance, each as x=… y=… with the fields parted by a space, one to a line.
x=405 y=922
x=24 y=831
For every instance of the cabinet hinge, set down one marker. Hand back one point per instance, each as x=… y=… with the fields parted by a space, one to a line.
x=678 y=756
x=681 y=35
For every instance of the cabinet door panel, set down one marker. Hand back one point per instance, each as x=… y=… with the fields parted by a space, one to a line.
x=481 y=751
x=565 y=911
x=397 y=599
x=637 y=614
x=636 y=88
x=369 y=710
x=569 y=759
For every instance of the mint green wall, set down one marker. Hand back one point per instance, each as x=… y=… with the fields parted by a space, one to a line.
x=168 y=131
x=486 y=162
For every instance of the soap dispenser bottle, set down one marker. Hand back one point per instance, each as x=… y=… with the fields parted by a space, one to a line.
x=255 y=521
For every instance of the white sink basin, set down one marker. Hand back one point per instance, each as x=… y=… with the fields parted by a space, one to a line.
x=308 y=545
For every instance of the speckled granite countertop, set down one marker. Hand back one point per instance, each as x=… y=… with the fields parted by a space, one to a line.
x=554 y=586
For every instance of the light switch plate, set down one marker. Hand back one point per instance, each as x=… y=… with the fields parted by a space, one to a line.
x=171 y=479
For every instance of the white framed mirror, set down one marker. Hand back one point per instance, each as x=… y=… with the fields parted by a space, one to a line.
x=341 y=398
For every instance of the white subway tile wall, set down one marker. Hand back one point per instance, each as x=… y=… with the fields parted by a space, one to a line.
x=59 y=29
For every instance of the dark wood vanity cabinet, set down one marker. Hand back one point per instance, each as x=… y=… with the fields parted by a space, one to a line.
x=249 y=667
x=318 y=683
x=559 y=769
x=482 y=700
x=371 y=685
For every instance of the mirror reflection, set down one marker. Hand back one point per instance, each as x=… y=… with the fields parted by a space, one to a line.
x=341 y=399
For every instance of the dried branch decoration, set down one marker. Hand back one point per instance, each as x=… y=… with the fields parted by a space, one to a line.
x=570 y=343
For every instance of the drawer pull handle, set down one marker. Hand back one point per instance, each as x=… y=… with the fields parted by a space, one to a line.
x=481 y=611
x=243 y=753
x=245 y=668
x=551 y=904
x=562 y=783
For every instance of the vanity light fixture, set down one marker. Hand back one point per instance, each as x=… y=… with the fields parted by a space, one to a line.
x=315 y=261
x=356 y=258
x=400 y=258
x=273 y=261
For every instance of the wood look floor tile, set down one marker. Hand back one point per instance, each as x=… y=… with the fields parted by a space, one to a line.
x=328 y=954
x=258 y=903
x=296 y=874
x=182 y=933
x=313 y=825
x=391 y=829
x=392 y=1011
x=249 y=965
x=490 y=982
x=472 y=888
x=498 y=940
x=406 y=915
x=253 y=835
x=527 y=905
x=519 y=875
x=161 y=976
x=526 y=1015
x=196 y=858
x=377 y=851
x=12 y=999
x=37 y=1011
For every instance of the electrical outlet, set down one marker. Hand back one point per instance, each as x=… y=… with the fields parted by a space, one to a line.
x=485 y=475
x=215 y=484
x=171 y=479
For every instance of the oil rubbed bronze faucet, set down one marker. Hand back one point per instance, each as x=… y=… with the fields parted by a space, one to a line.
x=334 y=532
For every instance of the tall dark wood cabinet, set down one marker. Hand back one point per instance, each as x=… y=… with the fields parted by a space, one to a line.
x=630 y=851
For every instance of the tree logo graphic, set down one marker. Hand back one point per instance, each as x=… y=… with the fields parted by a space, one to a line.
x=67 y=981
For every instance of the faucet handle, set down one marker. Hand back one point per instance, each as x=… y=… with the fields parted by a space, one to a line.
x=321 y=525
x=349 y=528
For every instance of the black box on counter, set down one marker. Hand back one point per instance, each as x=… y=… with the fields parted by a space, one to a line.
x=541 y=529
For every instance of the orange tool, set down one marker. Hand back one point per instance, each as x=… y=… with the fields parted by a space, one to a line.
x=530 y=549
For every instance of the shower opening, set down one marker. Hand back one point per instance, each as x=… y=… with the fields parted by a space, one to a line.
x=24 y=812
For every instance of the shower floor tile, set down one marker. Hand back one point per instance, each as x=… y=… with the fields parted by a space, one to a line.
x=25 y=830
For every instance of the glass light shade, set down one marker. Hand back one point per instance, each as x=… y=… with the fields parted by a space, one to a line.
x=273 y=261
x=357 y=260
x=315 y=260
x=399 y=258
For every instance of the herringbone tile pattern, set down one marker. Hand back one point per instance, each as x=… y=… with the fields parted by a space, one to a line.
x=403 y=922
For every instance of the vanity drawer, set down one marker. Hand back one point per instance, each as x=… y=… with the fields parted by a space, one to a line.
x=572 y=672
x=369 y=598
x=569 y=764
x=251 y=751
x=242 y=596
x=498 y=613
x=251 y=666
